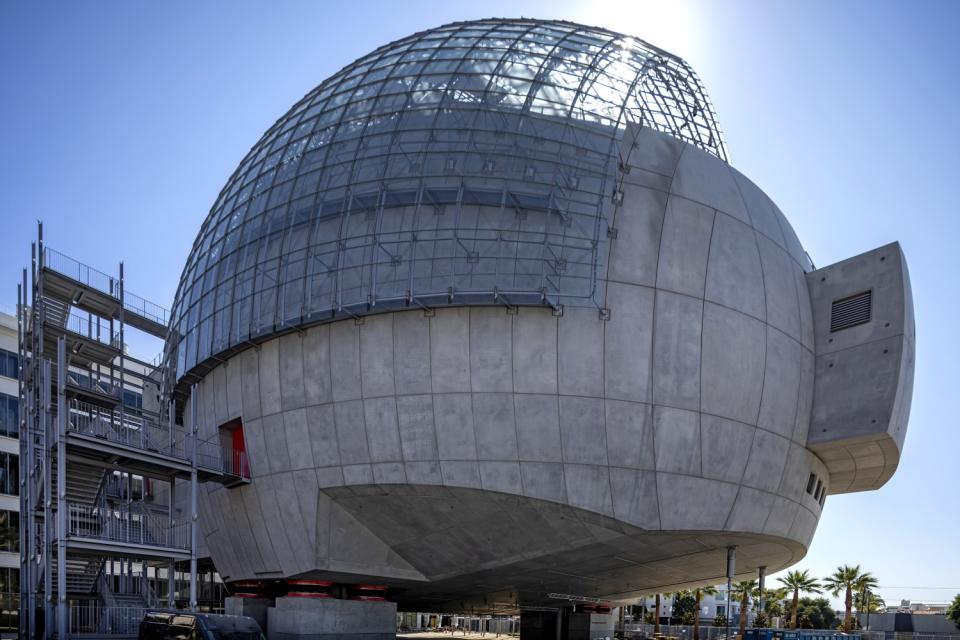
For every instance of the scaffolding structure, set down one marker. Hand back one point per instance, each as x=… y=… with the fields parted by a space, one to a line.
x=95 y=538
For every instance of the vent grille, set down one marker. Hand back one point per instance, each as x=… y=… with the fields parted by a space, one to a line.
x=851 y=311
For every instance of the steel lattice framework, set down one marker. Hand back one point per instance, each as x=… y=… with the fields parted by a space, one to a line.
x=468 y=164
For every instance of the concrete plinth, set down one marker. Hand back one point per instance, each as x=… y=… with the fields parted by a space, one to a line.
x=543 y=625
x=331 y=619
x=255 y=608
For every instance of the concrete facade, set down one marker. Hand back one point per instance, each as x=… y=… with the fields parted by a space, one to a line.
x=476 y=455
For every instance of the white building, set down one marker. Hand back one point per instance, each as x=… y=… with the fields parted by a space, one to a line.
x=9 y=474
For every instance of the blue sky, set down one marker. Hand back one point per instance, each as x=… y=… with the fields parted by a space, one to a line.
x=124 y=120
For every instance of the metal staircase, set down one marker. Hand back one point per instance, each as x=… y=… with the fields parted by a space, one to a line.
x=84 y=527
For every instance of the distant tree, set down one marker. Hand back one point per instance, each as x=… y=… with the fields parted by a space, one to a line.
x=848 y=580
x=743 y=591
x=687 y=618
x=720 y=620
x=799 y=582
x=761 y=621
x=684 y=602
x=953 y=611
x=698 y=594
x=815 y=613
x=865 y=600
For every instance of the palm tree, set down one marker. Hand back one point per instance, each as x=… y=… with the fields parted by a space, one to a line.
x=848 y=579
x=799 y=581
x=698 y=593
x=744 y=590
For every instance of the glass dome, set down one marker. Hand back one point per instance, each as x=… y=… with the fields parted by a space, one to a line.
x=468 y=164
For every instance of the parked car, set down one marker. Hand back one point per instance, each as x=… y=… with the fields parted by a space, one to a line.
x=182 y=625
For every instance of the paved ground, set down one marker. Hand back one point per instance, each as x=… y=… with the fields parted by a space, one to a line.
x=429 y=635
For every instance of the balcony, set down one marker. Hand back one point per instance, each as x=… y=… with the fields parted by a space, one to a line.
x=94 y=291
x=143 y=441
x=125 y=527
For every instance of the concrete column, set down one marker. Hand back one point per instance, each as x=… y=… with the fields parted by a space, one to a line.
x=731 y=569
x=762 y=577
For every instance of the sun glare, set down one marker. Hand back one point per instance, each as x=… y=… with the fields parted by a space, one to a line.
x=669 y=25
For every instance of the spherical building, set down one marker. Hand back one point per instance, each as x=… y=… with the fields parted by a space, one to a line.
x=498 y=321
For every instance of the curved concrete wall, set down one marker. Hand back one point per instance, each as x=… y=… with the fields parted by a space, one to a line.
x=678 y=412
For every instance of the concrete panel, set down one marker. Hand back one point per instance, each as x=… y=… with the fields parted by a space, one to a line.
x=751 y=510
x=292 y=391
x=351 y=432
x=676 y=351
x=417 y=436
x=453 y=413
x=423 y=472
x=411 y=354
x=491 y=366
x=329 y=477
x=732 y=342
x=323 y=435
x=627 y=342
x=460 y=474
x=279 y=540
x=687 y=502
x=781 y=517
x=684 y=246
x=635 y=497
x=793 y=243
x=638 y=221
x=588 y=487
x=234 y=388
x=278 y=454
x=389 y=473
x=781 y=384
x=734 y=272
x=582 y=430
x=805 y=397
x=357 y=474
x=376 y=356
x=318 y=388
x=250 y=504
x=298 y=439
x=305 y=493
x=726 y=447
x=257 y=455
x=580 y=346
x=708 y=180
x=543 y=480
x=534 y=351
x=763 y=213
x=501 y=476
x=768 y=456
x=538 y=427
x=250 y=381
x=676 y=436
x=494 y=426
x=803 y=526
x=806 y=311
x=629 y=434
x=450 y=350
x=650 y=150
x=345 y=361
x=270 y=377
x=783 y=311
x=219 y=399
x=383 y=433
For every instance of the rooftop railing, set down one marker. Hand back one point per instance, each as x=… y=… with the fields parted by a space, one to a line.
x=95 y=279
